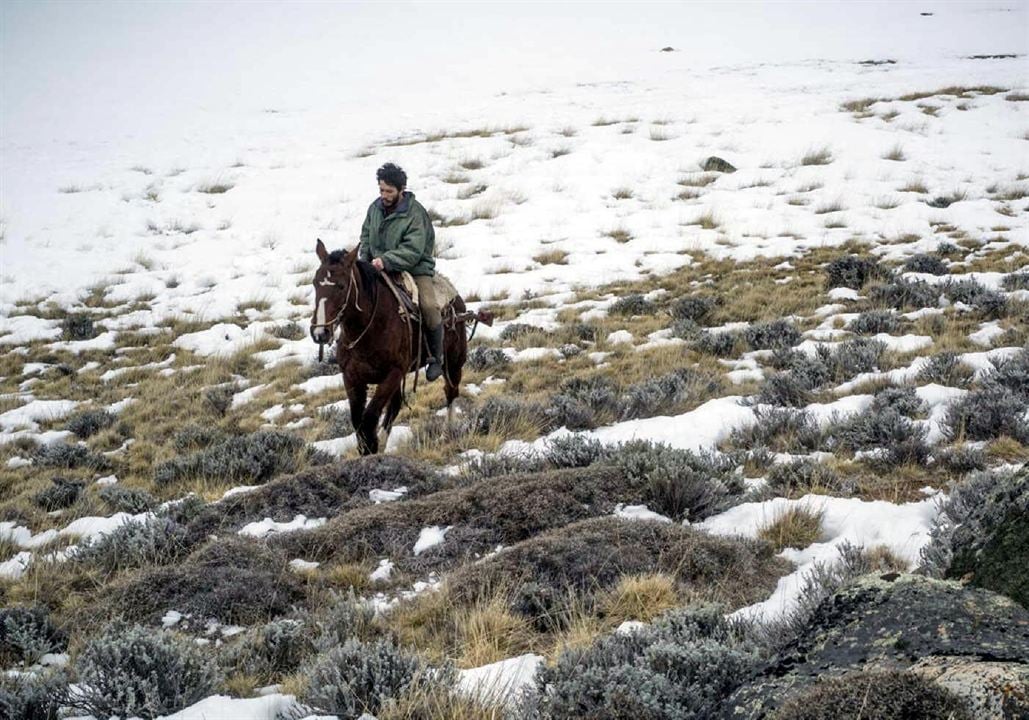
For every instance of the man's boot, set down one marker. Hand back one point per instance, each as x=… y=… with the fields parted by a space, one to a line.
x=435 y=366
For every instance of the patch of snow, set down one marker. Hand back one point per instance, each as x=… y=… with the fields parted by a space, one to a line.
x=382 y=572
x=904 y=529
x=639 y=512
x=300 y=565
x=842 y=293
x=987 y=333
x=619 y=337
x=380 y=496
x=430 y=537
x=263 y=528
x=500 y=681
x=107 y=480
x=171 y=619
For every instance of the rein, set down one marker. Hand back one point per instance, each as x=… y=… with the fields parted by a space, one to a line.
x=331 y=324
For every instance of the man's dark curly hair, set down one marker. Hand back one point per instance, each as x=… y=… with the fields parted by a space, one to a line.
x=392 y=175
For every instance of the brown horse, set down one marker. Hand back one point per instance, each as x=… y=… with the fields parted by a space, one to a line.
x=377 y=345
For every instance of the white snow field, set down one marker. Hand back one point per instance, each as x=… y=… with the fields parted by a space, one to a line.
x=178 y=161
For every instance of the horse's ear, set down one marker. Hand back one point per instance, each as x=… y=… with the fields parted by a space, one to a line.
x=352 y=255
x=323 y=254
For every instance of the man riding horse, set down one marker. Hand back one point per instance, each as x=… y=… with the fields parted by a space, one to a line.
x=397 y=236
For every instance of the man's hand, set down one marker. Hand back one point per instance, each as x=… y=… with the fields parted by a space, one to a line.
x=377 y=264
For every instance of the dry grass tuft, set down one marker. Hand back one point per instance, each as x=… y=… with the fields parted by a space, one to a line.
x=795 y=527
x=896 y=153
x=552 y=257
x=819 y=156
x=639 y=597
x=618 y=234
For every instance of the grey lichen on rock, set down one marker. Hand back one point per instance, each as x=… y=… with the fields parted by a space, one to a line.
x=889 y=622
x=989 y=689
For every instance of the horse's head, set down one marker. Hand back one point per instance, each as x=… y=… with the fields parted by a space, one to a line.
x=332 y=286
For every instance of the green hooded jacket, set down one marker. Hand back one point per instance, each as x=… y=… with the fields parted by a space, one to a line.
x=404 y=240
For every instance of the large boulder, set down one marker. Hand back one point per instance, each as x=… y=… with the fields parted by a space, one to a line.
x=892 y=622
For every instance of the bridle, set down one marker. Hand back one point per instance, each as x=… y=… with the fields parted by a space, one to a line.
x=351 y=291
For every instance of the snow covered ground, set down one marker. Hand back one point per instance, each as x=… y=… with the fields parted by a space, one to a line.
x=179 y=160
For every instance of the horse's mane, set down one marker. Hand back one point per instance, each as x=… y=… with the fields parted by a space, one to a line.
x=370 y=277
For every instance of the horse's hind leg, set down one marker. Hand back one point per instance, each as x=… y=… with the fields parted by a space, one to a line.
x=369 y=423
x=456 y=354
x=392 y=410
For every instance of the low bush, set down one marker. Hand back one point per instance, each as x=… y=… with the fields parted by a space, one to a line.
x=596 y=394
x=196 y=437
x=962 y=459
x=482 y=515
x=880 y=694
x=219 y=397
x=127 y=499
x=505 y=416
x=31 y=697
x=666 y=393
x=685 y=330
x=253 y=458
x=345 y=617
x=633 y=305
x=946 y=368
x=786 y=388
x=781 y=429
x=88 y=423
x=61 y=494
x=78 y=327
x=575 y=450
x=989 y=303
x=695 y=308
x=849 y=271
x=921 y=263
x=129 y=670
x=803 y=476
x=679 y=483
x=269 y=651
x=156 y=541
x=1016 y=281
x=897 y=439
x=501 y=464
x=682 y=667
x=565 y=411
x=794 y=527
x=719 y=344
x=873 y=322
x=903 y=400
x=997 y=407
x=982 y=533
x=771 y=335
x=905 y=295
x=360 y=677
x=487 y=358
x=61 y=455
x=26 y=634
x=514 y=331
x=574 y=563
x=231 y=580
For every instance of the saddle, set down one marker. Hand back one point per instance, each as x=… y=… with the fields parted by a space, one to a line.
x=405 y=290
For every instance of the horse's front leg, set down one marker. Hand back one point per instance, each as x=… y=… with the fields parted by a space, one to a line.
x=357 y=395
x=366 y=434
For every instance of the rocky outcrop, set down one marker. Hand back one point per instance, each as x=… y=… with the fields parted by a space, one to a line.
x=988 y=689
x=894 y=622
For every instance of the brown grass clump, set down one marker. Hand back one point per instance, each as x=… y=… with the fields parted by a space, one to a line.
x=639 y=597
x=818 y=156
x=552 y=257
x=795 y=527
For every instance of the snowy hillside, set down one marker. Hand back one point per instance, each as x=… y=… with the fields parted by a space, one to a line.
x=720 y=394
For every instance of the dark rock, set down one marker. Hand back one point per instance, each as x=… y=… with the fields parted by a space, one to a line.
x=896 y=624
x=717 y=164
x=668 y=48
